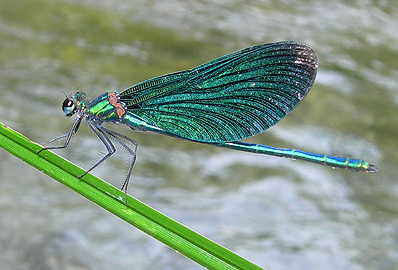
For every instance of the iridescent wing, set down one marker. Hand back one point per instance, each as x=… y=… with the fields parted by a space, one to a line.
x=230 y=98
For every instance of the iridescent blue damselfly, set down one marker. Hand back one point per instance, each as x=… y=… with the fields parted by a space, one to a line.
x=221 y=102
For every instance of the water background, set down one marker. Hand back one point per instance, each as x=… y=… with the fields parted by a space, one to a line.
x=278 y=213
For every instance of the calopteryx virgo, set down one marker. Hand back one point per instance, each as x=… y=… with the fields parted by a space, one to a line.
x=221 y=102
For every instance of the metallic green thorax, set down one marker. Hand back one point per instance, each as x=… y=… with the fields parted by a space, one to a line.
x=108 y=108
x=103 y=109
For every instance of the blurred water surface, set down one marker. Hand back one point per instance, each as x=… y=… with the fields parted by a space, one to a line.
x=278 y=213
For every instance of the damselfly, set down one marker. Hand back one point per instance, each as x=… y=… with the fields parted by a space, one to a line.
x=221 y=102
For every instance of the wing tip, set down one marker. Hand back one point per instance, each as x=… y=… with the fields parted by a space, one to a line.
x=305 y=54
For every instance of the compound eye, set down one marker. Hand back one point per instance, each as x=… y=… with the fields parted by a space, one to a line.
x=69 y=106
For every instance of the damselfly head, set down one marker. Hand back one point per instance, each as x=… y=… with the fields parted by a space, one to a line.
x=75 y=103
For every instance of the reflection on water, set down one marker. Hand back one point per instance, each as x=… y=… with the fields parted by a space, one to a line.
x=279 y=213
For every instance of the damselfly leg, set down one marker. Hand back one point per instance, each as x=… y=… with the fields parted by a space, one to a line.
x=73 y=130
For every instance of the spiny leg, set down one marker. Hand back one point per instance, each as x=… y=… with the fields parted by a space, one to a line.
x=116 y=136
x=107 y=143
x=57 y=138
x=68 y=136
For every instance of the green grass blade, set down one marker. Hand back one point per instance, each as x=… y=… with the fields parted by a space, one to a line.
x=150 y=221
